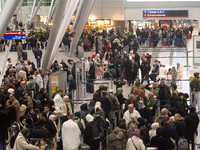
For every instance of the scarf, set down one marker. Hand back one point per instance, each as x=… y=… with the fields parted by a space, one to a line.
x=151 y=102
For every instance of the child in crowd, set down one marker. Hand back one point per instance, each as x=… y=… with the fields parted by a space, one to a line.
x=99 y=72
x=119 y=83
x=43 y=144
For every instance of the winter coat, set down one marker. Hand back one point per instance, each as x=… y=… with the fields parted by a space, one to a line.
x=126 y=65
x=113 y=101
x=180 y=127
x=114 y=143
x=22 y=74
x=105 y=104
x=19 y=92
x=191 y=121
x=124 y=138
x=42 y=98
x=17 y=106
x=88 y=136
x=138 y=143
x=168 y=133
x=92 y=72
x=196 y=83
x=22 y=109
x=65 y=110
x=21 y=143
x=3 y=125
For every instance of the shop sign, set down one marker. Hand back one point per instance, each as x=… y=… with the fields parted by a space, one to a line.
x=165 y=13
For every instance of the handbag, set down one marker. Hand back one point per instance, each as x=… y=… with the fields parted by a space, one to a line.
x=134 y=144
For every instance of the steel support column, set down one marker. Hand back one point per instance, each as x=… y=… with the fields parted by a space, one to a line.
x=63 y=28
x=50 y=11
x=87 y=7
x=59 y=12
x=33 y=8
x=36 y=10
x=80 y=9
x=19 y=6
x=7 y=13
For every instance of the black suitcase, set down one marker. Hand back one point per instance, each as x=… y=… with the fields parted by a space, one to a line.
x=24 y=55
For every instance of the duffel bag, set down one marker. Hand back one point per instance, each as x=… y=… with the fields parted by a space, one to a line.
x=39 y=133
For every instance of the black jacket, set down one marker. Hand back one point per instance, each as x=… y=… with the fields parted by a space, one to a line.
x=4 y=124
x=42 y=98
x=105 y=104
x=37 y=53
x=92 y=72
x=145 y=68
x=65 y=67
x=33 y=41
x=31 y=120
x=169 y=132
x=180 y=127
x=88 y=135
x=191 y=121
x=48 y=125
x=11 y=114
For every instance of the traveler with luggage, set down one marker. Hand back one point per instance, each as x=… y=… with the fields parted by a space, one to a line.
x=21 y=142
x=38 y=56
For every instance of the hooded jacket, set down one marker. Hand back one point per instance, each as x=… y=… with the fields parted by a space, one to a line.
x=195 y=82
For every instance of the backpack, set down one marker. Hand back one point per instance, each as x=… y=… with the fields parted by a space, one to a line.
x=80 y=125
x=182 y=144
x=96 y=134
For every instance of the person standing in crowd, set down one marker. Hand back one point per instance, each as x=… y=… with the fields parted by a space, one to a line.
x=192 y=121
x=195 y=87
x=191 y=29
x=16 y=104
x=19 y=49
x=164 y=92
x=58 y=99
x=179 y=72
x=168 y=133
x=43 y=40
x=72 y=86
x=130 y=112
x=155 y=71
x=54 y=66
x=8 y=63
x=145 y=68
x=91 y=76
x=174 y=75
x=71 y=128
x=38 y=56
x=33 y=41
x=180 y=125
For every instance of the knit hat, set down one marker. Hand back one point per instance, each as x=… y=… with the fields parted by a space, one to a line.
x=137 y=132
x=10 y=90
x=25 y=131
x=89 y=118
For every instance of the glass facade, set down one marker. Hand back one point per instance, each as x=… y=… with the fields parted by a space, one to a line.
x=30 y=2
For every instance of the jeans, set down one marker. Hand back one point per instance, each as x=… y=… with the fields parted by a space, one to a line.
x=38 y=61
x=2 y=143
x=120 y=73
x=43 y=43
x=67 y=49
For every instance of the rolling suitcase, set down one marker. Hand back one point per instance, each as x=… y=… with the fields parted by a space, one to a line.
x=164 y=43
x=24 y=55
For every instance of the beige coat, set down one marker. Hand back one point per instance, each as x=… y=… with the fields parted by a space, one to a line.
x=19 y=50
x=21 y=144
x=22 y=109
x=17 y=106
x=22 y=74
x=64 y=109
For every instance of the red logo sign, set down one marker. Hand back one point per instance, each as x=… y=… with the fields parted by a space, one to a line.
x=15 y=33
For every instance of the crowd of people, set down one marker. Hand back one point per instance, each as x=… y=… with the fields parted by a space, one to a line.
x=24 y=99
